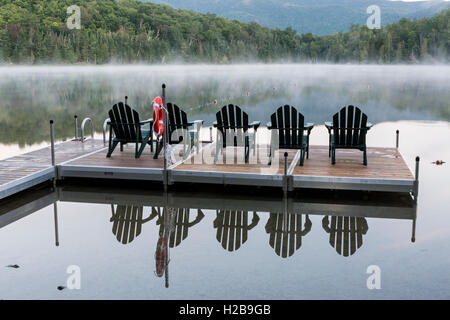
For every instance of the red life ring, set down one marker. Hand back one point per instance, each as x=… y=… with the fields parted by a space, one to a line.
x=158 y=116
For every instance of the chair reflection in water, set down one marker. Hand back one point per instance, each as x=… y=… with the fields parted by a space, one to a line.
x=346 y=233
x=285 y=230
x=232 y=228
x=174 y=225
x=127 y=222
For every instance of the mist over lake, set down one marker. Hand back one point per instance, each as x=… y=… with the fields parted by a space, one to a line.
x=32 y=95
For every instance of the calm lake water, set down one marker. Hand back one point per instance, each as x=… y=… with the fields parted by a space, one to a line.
x=413 y=99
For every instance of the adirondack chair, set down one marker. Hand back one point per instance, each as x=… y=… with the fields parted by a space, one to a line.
x=285 y=230
x=232 y=123
x=181 y=130
x=348 y=131
x=346 y=233
x=127 y=222
x=179 y=226
x=232 y=228
x=288 y=128
x=127 y=128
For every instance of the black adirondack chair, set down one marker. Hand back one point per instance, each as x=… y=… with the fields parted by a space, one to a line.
x=286 y=232
x=233 y=122
x=232 y=228
x=127 y=222
x=127 y=128
x=346 y=233
x=348 y=131
x=180 y=130
x=288 y=125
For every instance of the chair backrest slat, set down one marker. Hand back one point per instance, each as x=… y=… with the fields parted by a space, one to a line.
x=350 y=124
x=112 y=118
x=295 y=125
x=226 y=124
x=301 y=124
x=287 y=123
x=231 y=115
x=130 y=118
x=178 y=122
x=136 y=119
x=280 y=126
x=342 y=124
x=362 y=135
x=336 y=125
x=170 y=109
x=125 y=121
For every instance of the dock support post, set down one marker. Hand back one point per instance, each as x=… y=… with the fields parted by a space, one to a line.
x=55 y=214
x=285 y=177
x=416 y=182
x=210 y=134
x=52 y=149
x=76 y=127
x=165 y=176
x=126 y=99
x=397 y=138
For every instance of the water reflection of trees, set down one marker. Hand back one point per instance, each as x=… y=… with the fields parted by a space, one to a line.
x=29 y=101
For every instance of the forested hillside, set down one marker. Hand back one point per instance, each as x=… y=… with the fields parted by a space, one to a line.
x=130 y=31
x=320 y=17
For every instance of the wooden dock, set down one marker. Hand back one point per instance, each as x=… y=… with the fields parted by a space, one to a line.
x=30 y=169
x=386 y=171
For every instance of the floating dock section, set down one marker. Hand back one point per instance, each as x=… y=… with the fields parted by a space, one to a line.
x=386 y=169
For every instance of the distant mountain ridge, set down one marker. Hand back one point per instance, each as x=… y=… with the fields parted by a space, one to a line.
x=320 y=17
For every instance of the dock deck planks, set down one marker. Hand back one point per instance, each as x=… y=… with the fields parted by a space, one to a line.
x=24 y=171
x=382 y=163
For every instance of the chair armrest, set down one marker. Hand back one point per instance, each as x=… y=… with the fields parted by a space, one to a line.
x=255 y=125
x=215 y=124
x=146 y=121
x=191 y=123
x=269 y=125
x=309 y=126
x=369 y=125
x=329 y=126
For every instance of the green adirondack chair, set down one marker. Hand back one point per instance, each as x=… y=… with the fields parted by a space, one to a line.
x=127 y=128
x=348 y=131
x=180 y=130
x=287 y=125
x=231 y=121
